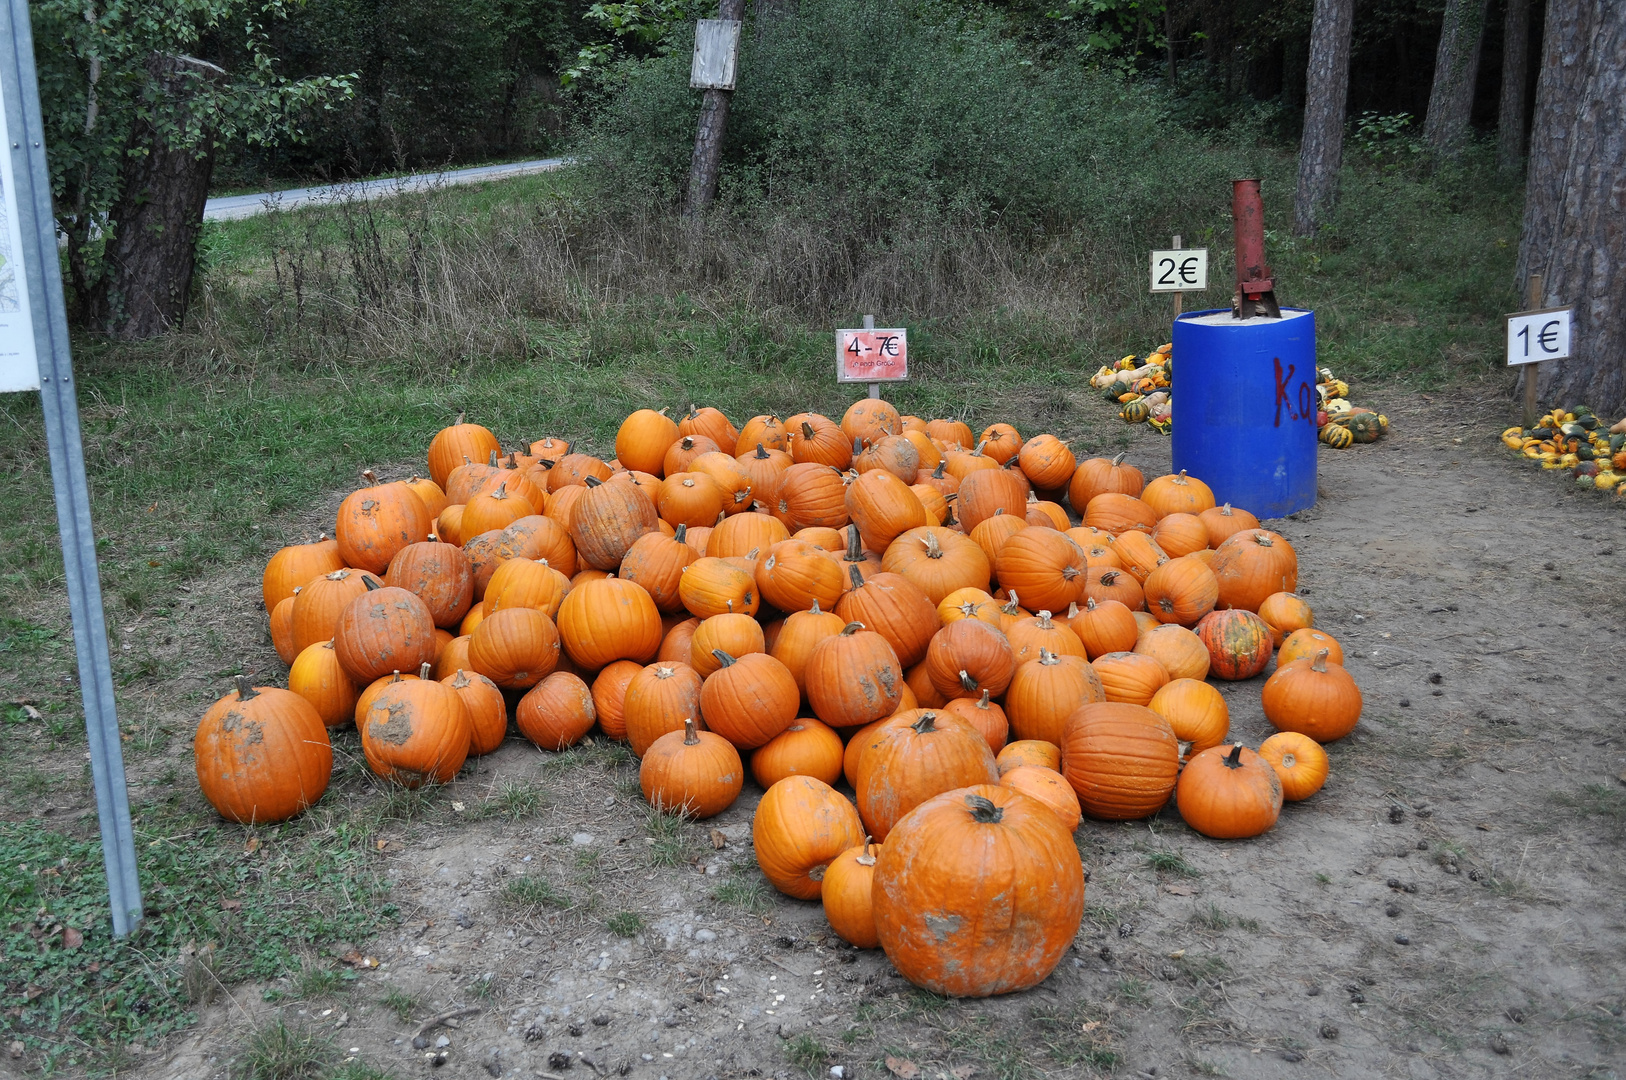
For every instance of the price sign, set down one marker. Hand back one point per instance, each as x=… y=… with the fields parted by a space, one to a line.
x=1180 y=270
x=1538 y=335
x=872 y=355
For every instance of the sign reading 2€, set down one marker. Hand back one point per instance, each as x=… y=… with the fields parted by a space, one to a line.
x=872 y=355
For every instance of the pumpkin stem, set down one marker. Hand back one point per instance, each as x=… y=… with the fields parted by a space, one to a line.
x=1262 y=540
x=591 y=481
x=424 y=669
x=1109 y=577
x=807 y=431
x=983 y=810
x=1233 y=760
x=461 y=680
x=1119 y=460
x=815 y=608
x=367 y=474
x=690 y=738
x=855 y=545
x=1048 y=658
x=857 y=576
x=937 y=473
x=1072 y=610
x=934 y=550
x=761 y=454
x=926 y=724
x=867 y=856
x=851 y=628
x=967 y=681
x=980 y=447
x=1044 y=621
x=680 y=534
x=723 y=658
x=460 y=417
x=984 y=704
x=245 y=689
x=1319 y=664
x=492 y=460
x=1181 y=479
x=547 y=463
x=1012 y=606
x=1226 y=510
x=858 y=446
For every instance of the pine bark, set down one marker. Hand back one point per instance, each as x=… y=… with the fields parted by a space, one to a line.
x=151 y=250
x=1456 y=70
x=1515 y=63
x=1575 y=199
x=1326 y=90
x=708 y=137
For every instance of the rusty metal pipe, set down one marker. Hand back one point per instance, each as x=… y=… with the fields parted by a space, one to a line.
x=1255 y=284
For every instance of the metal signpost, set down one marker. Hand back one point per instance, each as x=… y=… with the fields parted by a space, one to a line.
x=872 y=356
x=34 y=354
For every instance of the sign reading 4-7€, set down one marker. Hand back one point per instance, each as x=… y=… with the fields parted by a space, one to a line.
x=872 y=355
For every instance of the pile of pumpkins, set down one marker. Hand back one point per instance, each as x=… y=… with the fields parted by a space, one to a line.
x=1143 y=389
x=899 y=606
x=1339 y=423
x=1579 y=442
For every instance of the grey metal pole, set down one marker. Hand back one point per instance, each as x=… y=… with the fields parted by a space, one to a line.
x=60 y=403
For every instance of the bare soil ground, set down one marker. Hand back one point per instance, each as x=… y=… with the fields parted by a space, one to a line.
x=1451 y=905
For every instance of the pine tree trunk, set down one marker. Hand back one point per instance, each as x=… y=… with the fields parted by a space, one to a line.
x=1456 y=70
x=1515 y=61
x=708 y=136
x=1575 y=199
x=1326 y=89
x=151 y=248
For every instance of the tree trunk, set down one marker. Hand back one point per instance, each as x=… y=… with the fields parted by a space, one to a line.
x=708 y=136
x=1575 y=199
x=151 y=248
x=1456 y=69
x=1515 y=60
x=1326 y=88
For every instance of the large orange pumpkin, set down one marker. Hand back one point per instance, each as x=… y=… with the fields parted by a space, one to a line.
x=515 y=648
x=1047 y=462
x=1046 y=568
x=497 y=508
x=883 y=508
x=1229 y=793
x=894 y=453
x=1224 y=522
x=1033 y=633
x=818 y=440
x=1138 y=553
x=1178 y=494
x=710 y=422
x=384 y=629
x=806 y=748
x=987 y=492
x=607 y=520
x=1121 y=759
x=658 y=699
x=797 y=574
x=262 y=754
x=454 y=445
x=691 y=772
x=488 y=712
x=1252 y=565
x=713 y=586
x=749 y=700
x=1196 y=711
x=1299 y=761
x=1181 y=591
x=939 y=560
x=812 y=495
x=894 y=607
x=1180 y=534
x=1100 y=476
x=1180 y=651
x=1103 y=583
x=967 y=657
x=1239 y=643
x=978 y=892
x=1022 y=752
x=799 y=827
x=643 y=438
x=913 y=756
x=440 y=575
x=296 y=565
x=735 y=635
x=1104 y=627
x=847 y=895
x=557 y=712
x=314 y=613
x=870 y=419
x=1046 y=691
x=607 y=620
x=416 y=731
x=1118 y=514
x=1313 y=697
x=853 y=677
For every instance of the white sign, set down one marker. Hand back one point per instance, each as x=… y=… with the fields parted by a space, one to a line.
x=1538 y=335
x=19 y=365
x=716 y=46
x=1180 y=270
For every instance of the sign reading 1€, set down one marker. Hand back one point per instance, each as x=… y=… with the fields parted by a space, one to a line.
x=872 y=355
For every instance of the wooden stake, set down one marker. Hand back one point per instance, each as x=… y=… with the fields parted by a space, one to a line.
x=1532 y=301
x=1179 y=297
x=874 y=387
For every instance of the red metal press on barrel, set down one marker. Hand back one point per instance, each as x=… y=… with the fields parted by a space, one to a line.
x=1255 y=285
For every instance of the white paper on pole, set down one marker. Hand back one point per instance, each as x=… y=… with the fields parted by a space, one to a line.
x=716 y=47
x=19 y=364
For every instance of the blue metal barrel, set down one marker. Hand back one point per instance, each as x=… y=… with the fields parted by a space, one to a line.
x=1245 y=408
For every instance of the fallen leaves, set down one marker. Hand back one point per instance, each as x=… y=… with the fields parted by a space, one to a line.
x=902 y=1068
x=718 y=840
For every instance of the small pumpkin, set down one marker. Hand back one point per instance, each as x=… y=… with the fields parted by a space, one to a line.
x=806 y=748
x=1047 y=462
x=939 y=560
x=557 y=712
x=1122 y=760
x=715 y=586
x=294 y=566
x=993 y=533
x=1299 y=761
x=967 y=657
x=710 y=422
x=454 y=445
x=1229 y=793
x=910 y=758
x=488 y=712
x=1178 y=494
x=1196 y=711
x=1029 y=635
x=1285 y=613
x=1139 y=554
x=313 y=614
x=1002 y=442
x=642 y=439
x=1181 y=591
x=610 y=696
x=870 y=419
x=526 y=583
x=1104 y=627
x=1224 y=522
x=984 y=715
x=1037 y=752
x=319 y=678
x=736 y=635
x=968 y=603
x=1180 y=534
x=847 y=895
x=1313 y=697
x=262 y=754
x=495 y=509
x=801 y=633
x=818 y=440
x=689 y=498
x=657 y=701
x=691 y=772
x=1181 y=652
x=1118 y=514
x=1100 y=476
x=1304 y=644
x=800 y=826
x=1130 y=678
x=1103 y=583
x=1253 y=565
x=812 y=495
x=987 y=492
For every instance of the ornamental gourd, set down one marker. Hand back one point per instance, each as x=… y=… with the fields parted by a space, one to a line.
x=262 y=754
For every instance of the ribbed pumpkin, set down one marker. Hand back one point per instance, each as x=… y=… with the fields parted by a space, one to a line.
x=607 y=620
x=796 y=574
x=812 y=495
x=987 y=492
x=968 y=657
x=658 y=562
x=736 y=635
x=494 y=509
x=978 y=892
x=853 y=677
x=725 y=471
x=1050 y=788
x=806 y=748
x=607 y=520
x=1103 y=627
x=951 y=432
x=749 y=699
x=474 y=618
x=1180 y=534
x=557 y=712
x=818 y=440
x=376 y=522
x=1029 y=752
x=1304 y=644
x=610 y=696
x=1252 y=565
x=1224 y=522
x=282 y=629
x=449 y=525
x=319 y=678
x=466 y=479
x=415 y=731
x=1122 y=759
x=914 y=756
x=536 y=537
x=767 y=429
x=1103 y=583
x=1049 y=514
x=1180 y=651
x=1046 y=691
x=262 y=754
x=461 y=442
x=453 y=655
x=1118 y=514
x=710 y=422
x=1181 y=591
x=765 y=469
x=801 y=825
x=742 y=534
x=1130 y=678
x=1043 y=566
x=801 y=634
x=438 y=574
x=895 y=608
x=937 y=507
x=1313 y=697
x=1229 y=793
x=384 y=629
x=295 y=566
x=657 y=701
x=715 y=586
x=488 y=712
x=1196 y=711
x=938 y=560
x=1300 y=763
x=548 y=449
x=679 y=637
x=515 y=482
x=848 y=896
x=1178 y=493
x=515 y=648
x=689 y=498
x=968 y=604
x=985 y=715
x=994 y=533
x=1033 y=633
x=1100 y=476
x=1285 y=613
x=1139 y=554
x=831 y=540
x=883 y=508
x=691 y=772
x=642 y=439
x=1047 y=462
x=526 y=583
x=1239 y=643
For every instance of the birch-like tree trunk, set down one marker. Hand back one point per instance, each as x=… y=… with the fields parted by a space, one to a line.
x=1326 y=89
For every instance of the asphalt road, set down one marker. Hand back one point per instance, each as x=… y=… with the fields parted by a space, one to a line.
x=232 y=207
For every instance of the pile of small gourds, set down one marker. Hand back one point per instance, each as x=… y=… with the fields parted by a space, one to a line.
x=1339 y=423
x=1579 y=442
x=1143 y=389
x=885 y=602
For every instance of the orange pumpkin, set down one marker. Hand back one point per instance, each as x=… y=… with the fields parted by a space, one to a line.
x=894 y=607
x=812 y=495
x=610 y=695
x=691 y=772
x=1103 y=583
x=657 y=701
x=1050 y=788
x=1103 y=627
x=319 y=678
x=1196 y=711
x=526 y=583
x=1299 y=761
x=797 y=574
x=749 y=699
x=488 y=712
x=1043 y=566
x=1229 y=793
x=713 y=586
x=894 y=453
x=453 y=655
x=730 y=479
x=1130 y=678
x=800 y=826
x=574 y=470
x=913 y=756
x=738 y=536
x=1100 y=476
x=1035 y=632
x=883 y=508
x=710 y=422
x=384 y=629
x=262 y=754
x=968 y=604
x=415 y=731
x=736 y=635
x=1180 y=534
x=515 y=648
x=1178 y=494
x=768 y=430
x=466 y=479
x=1285 y=613
x=988 y=492
x=557 y=712
x=806 y=748
x=440 y=575
x=494 y=509
x=939 y=560
x=689 y=498
x=1118 y=514
x=994 y=533
x=1224 y=522
x=818 y=440
x=848 y=896
x=984 y=715
x=454 y=445
x=959 y=857
x=967 y=657
x=1181 y=591
x=314 y=613
x=1029 y=752
x=1122 y=760
x=643 y=438
x=950 y=432
x=676 y=645
x=1304 y=644
x=1313 y=697
x=1139 y=554
x=607 y=520
x=1252 y=565
x=870 y=419
x=1181 y=652
x=1047 y=462
x=1239 y=643
x=1046 y=691
x=294 y=566
x=609 y=619
x=853 y=677
x=282 y=629
x=801 y=633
